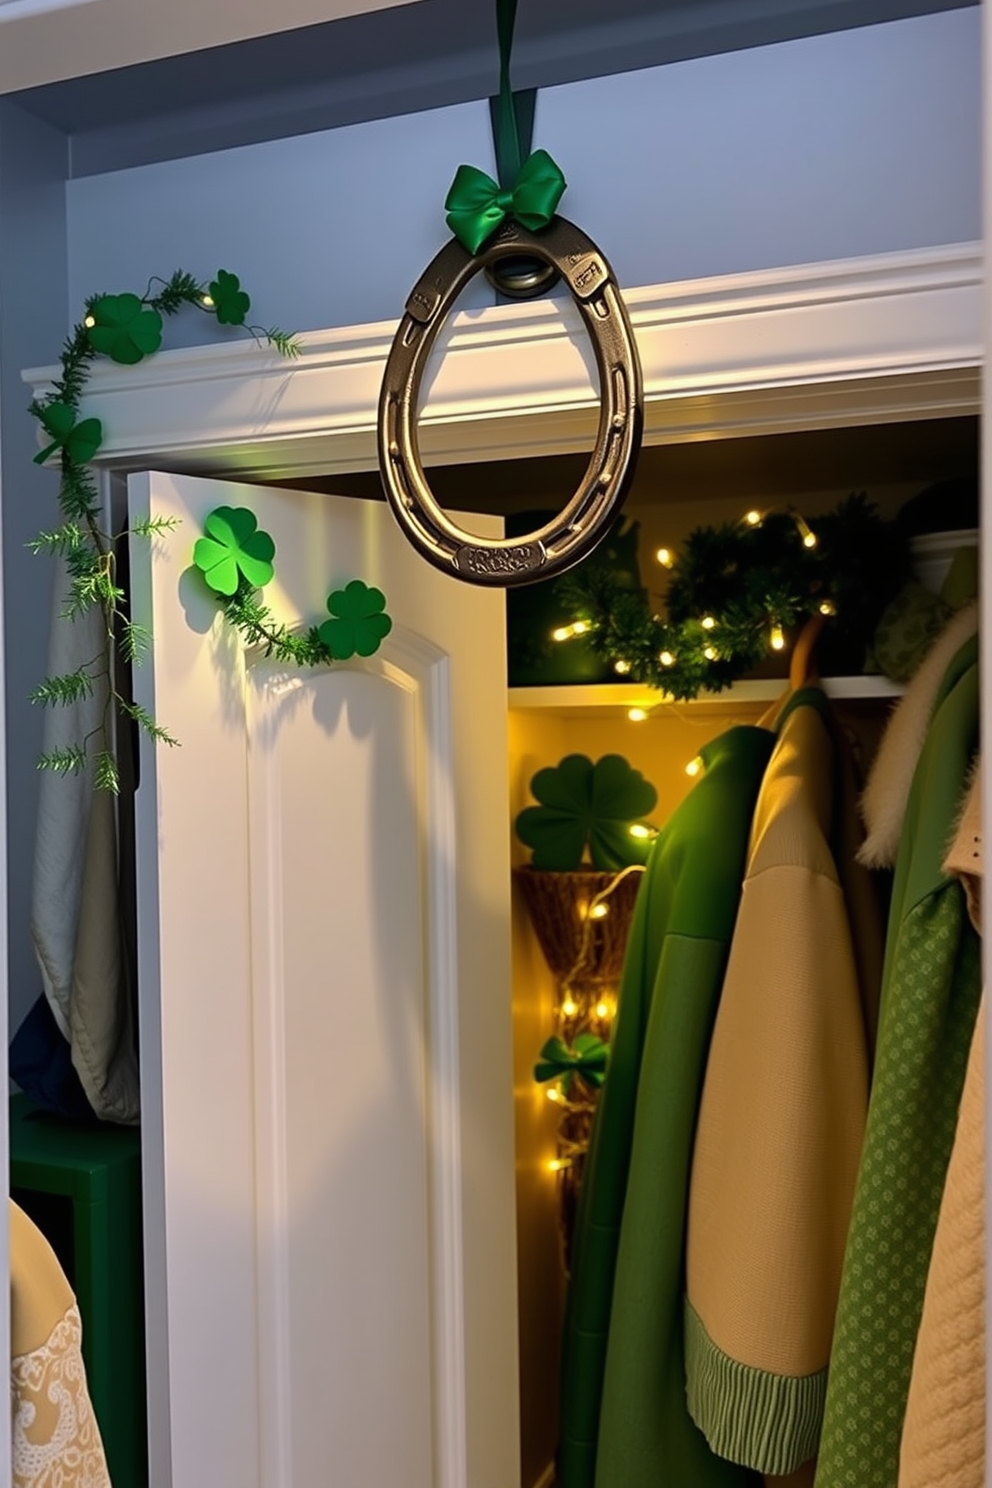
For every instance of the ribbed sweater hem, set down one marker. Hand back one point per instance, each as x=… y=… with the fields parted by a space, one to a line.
x=768 y=1422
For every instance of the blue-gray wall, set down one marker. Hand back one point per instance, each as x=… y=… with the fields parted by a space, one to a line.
x=33 y=318
x=855 y=142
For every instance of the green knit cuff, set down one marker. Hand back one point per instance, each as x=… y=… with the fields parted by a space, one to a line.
x=768 y=1422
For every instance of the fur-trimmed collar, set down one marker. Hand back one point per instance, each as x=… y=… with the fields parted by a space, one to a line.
x=883 y=805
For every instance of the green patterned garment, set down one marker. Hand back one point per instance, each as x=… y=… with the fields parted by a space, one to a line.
x=930 y=996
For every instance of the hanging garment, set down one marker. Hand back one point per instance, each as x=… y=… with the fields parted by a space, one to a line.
x=75 y=912
x=55 y=1438
x=782 y=1115
x=930 y=996
x=671 y=981
x=943 y=1439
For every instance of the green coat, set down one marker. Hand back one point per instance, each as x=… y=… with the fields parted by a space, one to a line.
x=930 y=993
x=671 y=983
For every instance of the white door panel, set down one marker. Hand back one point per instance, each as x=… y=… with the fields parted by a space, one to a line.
x=325 y=1022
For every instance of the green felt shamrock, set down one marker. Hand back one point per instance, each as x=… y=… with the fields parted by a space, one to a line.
x=234 y=549
x=358 y=623
x=588 y=1057
x=123 y=328
x=231 y=304
x=79 y=442
x=585 y=804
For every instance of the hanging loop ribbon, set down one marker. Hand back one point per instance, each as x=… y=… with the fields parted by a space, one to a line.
x=476 y=206
x=588 y=1058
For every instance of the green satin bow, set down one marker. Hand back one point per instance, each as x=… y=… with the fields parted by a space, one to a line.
x=588 y=1057
x=476 y=206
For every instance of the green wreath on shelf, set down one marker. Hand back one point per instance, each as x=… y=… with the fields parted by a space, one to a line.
x=233 y=556
x=733 y=593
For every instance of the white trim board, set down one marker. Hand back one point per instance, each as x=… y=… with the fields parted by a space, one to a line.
x=877 y=339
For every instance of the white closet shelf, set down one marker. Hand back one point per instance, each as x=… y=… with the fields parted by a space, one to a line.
x=612 y=699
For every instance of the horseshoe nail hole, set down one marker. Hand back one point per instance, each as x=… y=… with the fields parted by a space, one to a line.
x=522 y=278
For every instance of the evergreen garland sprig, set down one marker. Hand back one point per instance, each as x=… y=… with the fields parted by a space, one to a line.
x=734 y=590
x=126 y=328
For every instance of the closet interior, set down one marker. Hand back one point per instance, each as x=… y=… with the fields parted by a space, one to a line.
x=677 y=487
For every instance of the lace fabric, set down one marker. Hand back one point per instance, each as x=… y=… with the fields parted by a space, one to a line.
x=55 y=1437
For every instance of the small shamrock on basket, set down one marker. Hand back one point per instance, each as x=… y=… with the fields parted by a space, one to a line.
x=234 y=549
x=230 y=302
x=587 y=806
x=123 y=328
x=358 y=623
x=79 y=442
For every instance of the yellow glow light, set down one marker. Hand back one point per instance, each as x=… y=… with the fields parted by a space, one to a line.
x=777 y=638
x=665 y=557
x=207 y=300
x=563 y=633
x=569 y=1008
x=710 y=653
x=666 y=658
x=622 y=667
x=599 y=911
x=580 y=627
x=809 y=540
x=637 y=715
x=602 y=1009
x=707 y=622
x=554 y=1094
x=89 y=322
x=694 y=766
x=558 y=1163
x=828 y=607
x=640 y=831
x=753 y=518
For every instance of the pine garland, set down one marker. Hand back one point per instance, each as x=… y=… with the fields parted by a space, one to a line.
x=735 y=590
x=126 y=328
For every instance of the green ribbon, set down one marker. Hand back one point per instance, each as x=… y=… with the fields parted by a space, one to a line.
x=476 y=206
x=588 y=1057
x=528 y=190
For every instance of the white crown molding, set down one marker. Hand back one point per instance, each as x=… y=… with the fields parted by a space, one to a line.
x=883 y=338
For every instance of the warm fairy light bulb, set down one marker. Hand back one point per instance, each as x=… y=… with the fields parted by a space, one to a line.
x=602 y=1008
x=665 y=557
x=666 y=658
x=621 y=667
x=753 y=518
x=89 y=322
x=710 y=653
x=637 y=715
x=828 y=607
x=776 y=638
x=806 y=533
x=580 y=627
x=707 y=622
x=694 y=766
x=207 y=301
x=557 y=1164
x=569 y=1007
x=599 y=911
x=640 y=831
x=809 y=540
x=563 y=633
x=554 y=1094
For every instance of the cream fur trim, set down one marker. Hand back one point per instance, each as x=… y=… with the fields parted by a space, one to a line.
x=883 y=805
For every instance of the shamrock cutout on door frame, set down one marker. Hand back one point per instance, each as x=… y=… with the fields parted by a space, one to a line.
x=358 y=624
x=230 y=302
x=123 y=328
x=79 y=441
x=234 y=549
x=587 y=806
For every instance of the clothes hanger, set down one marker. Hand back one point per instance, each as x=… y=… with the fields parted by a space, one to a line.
x=802 y=668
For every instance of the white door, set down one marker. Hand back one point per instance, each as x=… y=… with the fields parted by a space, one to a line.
x=325 y=1020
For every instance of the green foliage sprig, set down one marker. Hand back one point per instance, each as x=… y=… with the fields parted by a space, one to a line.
x=734 y=590
x=126 y=328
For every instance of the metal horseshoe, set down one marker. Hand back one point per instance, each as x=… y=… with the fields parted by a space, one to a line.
x=561 y=543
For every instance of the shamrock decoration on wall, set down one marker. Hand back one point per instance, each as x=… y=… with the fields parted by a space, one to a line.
x=123 y=328
x=358 y=623
x=230 y=302
x=587 y=1058
x=234 y=549
x=587 y=806
x=78 y=441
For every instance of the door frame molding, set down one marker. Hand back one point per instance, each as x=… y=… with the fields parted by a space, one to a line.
x=881 y=338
